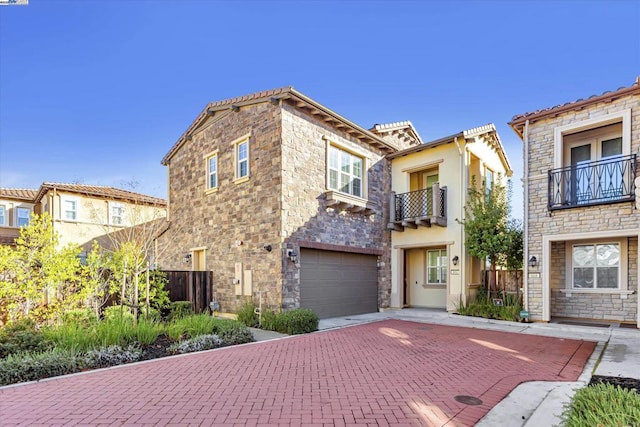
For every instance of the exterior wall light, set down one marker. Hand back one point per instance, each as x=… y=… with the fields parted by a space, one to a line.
x=267 y=248
x=533 y=261
x=187 y=258
x=455 y=260
x=293 y=255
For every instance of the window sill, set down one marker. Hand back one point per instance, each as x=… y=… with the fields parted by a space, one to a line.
x=241 y=180
x=434 y=286
x=211 y=190
x=350 y=203
x=624 y=293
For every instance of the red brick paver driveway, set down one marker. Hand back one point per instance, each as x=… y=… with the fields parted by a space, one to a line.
x=384 y=373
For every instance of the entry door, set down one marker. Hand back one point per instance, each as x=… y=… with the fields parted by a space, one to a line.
x=428 y=179
x=427 y=276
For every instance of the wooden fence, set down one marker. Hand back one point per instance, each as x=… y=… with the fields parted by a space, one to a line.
x=507 y=281
x=194 y=286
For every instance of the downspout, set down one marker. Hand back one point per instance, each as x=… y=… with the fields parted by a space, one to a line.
x=525 y=179
x=465 y=264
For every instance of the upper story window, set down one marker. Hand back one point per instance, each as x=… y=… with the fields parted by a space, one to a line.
x=593 y=162
x=3 y=215
x=69 y=209
x=488 y=182
x=22 y=215
x=212 y=172
x=116 y=213
x=345 y=172
x=242 y=158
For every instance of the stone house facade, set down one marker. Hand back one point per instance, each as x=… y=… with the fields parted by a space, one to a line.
x=582 y=221
x=282 y=198
x=16 y=207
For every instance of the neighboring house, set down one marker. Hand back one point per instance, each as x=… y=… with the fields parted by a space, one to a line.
x=16 y=207
x=280 y=196
x=582 y=221
x=79 y=212
x=429 y=263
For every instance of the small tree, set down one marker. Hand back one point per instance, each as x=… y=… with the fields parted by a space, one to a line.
x=488 y=235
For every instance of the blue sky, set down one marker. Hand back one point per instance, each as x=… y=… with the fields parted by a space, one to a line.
x=96 y=92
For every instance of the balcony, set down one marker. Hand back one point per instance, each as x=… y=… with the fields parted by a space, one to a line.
x=595 y=183
x=418 y=208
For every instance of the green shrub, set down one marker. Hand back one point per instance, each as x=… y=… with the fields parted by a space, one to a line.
x=199 y=343
x=115 y=331
x=272 y=321
x=190 y=327
x=80 y=316
x=179 y=309
x=21 y=336
x=21 y=367
x=603 y=405
x=149 y=313
x=247 y=314
x=300 y=321
x=72 y=336
x=147 y=331
x=232 y=332
x=111 y=356
x=117 y=312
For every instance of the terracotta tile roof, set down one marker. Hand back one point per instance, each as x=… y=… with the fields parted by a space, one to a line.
x=26 y=194
x=284 y=93
x=519 y=119
x=404 y=126
x=99 y=190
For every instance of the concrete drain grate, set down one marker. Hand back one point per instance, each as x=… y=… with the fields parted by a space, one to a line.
x=468 y=400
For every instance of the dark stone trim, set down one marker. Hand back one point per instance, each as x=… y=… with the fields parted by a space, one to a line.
x=340 y=248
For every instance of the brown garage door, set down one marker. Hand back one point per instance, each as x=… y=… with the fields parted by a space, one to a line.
x=336 y=284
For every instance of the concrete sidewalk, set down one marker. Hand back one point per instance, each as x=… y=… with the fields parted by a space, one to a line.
x=534 y=403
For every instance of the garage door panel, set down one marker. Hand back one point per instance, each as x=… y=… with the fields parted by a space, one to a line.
x=338 y=283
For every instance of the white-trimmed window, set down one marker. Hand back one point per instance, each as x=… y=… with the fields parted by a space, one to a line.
x=488 y=182
x=596 y=265
x=22 y=216
x=242 y=158
x=3 y=216
x=69 y=209
x=436 y=266
x=212 y=172
x=116 y=213
x=345 y=172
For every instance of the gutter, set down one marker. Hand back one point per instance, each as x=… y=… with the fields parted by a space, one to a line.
x=463 y=272
x=525 y=180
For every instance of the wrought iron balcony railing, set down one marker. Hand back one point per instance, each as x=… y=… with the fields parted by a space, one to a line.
x=594 y=183
x=421 y=207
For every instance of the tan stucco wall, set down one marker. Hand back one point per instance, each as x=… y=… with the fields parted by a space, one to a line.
x=453 y=170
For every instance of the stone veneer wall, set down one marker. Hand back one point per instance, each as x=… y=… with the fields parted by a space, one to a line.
x=305 y=217
x=578 y=220
x=245 y=212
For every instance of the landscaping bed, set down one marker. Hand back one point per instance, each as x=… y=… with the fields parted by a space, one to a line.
x=626 y=383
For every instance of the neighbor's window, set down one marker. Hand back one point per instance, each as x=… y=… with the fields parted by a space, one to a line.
x=23 y=216
x=212 y=172
x=345 y=172
x=3 y=215
x=596 y=266
x=242 y=159
x=437 y=266
x=69 y=209
x=116 y=213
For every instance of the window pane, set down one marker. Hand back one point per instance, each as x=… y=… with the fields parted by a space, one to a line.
x=357 y=167
x=608 y=277
x=443 y=274
x=213 y=165
x=213 y=181
x=334 y=155
x=612 y=147
x=357 y=190
x=333 y=179
x=344 y=183
x=345 y=162
x=583 y=256
x=432 y=258
x=2 y=215
x=583 y=277
x=242 y=169
x=608 y=255
x=433 y=275
x=242 y=151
